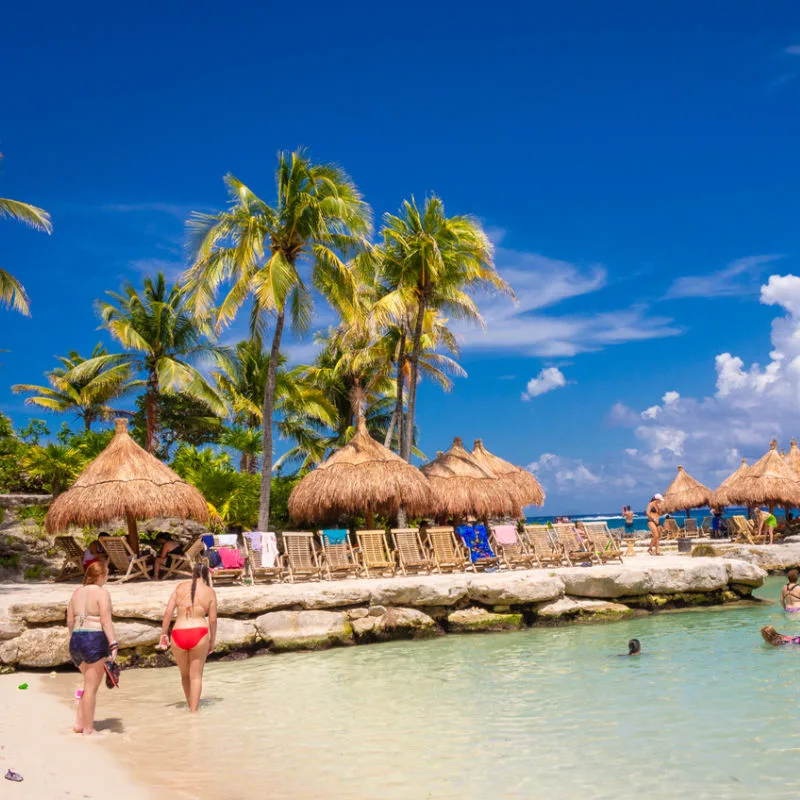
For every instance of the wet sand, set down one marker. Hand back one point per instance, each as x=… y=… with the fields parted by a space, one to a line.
x=36 y=741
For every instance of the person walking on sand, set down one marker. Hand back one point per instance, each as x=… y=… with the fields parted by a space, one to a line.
x=91 y=639
x=194 y=632
x=653 y=515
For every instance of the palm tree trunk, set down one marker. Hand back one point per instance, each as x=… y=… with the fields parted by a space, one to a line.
x=387 y=441
x=151 y=410
x=408 y=433
x=268 y=409
x=397 y=417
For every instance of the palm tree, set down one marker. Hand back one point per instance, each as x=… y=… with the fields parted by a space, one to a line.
x=12 y=292
x=88 y=397
x=57 y=465
x=162 y=335
x=256 y=249
x=431 y=261
x=241 y=380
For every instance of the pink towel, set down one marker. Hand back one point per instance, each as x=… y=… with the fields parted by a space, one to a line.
x=231 y=559
x=505 y=534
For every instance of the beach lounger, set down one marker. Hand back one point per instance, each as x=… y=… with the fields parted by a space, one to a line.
x=300 y=557
x=338 y=559
x=255 y=568
x=183 y=563
x=548 y=553
x=705 y=526
x=742 y=529
x=475 y=539
x=122 y=557
x=512 y=549
x=73 y=558
x=411 y=553
x=448 y=554
x=577 y=549
x=602 y=542
x=374 y=553
x=690 y=527
x=671 y=529
x=234 y=561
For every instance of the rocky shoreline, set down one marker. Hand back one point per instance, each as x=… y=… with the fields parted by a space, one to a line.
x=311 y=616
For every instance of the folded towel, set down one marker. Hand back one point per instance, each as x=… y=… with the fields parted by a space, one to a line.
x=231 y=558
x=269 y=550
x=227 y=540
x=506 y=534
x=335 y=535
x=208 y=540
x=255 y=540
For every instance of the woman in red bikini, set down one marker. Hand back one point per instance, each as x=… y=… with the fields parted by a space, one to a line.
x=194 y=632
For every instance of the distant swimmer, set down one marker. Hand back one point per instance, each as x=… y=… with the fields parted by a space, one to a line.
x=634 y=647
x=790 y=594
x=771 y=636
x=653 y=515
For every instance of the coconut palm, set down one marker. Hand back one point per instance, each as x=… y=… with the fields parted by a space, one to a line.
x=56 y=465
x=87 y=397
x=161 y=337
x=12 y=292
x=431 y=261
x=256 y=250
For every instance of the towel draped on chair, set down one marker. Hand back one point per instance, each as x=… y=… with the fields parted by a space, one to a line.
x=335 y=535
x=477 y=541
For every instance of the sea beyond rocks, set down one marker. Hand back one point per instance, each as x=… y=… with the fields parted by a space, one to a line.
x=312 y=616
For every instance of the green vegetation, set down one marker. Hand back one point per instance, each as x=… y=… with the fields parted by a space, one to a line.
x=212 y=410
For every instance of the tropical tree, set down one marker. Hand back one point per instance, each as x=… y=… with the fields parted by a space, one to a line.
x=12 y=292
x=431 y=261
x=257 y=251
x=56 y=465
x=162 y=337
x=87 y=396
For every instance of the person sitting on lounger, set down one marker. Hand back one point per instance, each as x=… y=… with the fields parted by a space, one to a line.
x=94 y=552
x=771 y=636
x=165 y=545
x=768 y=523
x=790 y=594
x=194 y=632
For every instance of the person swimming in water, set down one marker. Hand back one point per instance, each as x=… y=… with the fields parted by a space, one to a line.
x=790 y=594
x=771 y=636
x=634 y=647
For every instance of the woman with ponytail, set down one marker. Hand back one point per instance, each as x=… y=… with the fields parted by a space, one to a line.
x=194 y=632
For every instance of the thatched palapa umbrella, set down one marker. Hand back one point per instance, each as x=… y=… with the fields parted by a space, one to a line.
x=125 y=481
x=684 y=493
x=361 y=477
x=770 y=481
x=720 y=497
x=792 y=458
x=517 y=481
x=462 y=487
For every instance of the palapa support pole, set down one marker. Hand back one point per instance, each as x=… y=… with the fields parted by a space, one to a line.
x=370 y=519
x=133 y=532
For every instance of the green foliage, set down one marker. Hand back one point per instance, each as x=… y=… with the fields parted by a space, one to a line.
x=34 y=573
x=57 y=465
x=33 y=431
x=10 y=561
x=13 y=477
x=36 y=513
x=279 y=500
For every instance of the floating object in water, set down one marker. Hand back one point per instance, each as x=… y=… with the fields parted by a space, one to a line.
x=22 y=686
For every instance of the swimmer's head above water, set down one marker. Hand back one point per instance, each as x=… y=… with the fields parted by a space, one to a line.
x=634 y=647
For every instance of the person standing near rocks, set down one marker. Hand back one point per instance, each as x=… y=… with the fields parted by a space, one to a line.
x=653 y=517
x=627 y=517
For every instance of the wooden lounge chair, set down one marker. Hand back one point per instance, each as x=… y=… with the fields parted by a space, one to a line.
x=229 y=574
x=742 y=529
x=690 y=527
x=448 y=554
x=300 y=558
x=73 y=558
x=705 y=526
x=671 y=529
x=252 y=564
x=539 y=541
x=482 y=557
x=122 y=557
x=411 y=553
x=374 y=553
x=513 y=553
x=338 y=560
x=602 y=542
x=182 y=564
x=576 y=549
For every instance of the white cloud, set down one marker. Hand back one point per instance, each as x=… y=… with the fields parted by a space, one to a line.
x=560 y=473
x=723 y=282
x=547 y=380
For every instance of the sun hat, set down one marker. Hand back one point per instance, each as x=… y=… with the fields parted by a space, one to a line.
x=658 y=497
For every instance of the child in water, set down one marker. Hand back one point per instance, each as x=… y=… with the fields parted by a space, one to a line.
x=771 y=636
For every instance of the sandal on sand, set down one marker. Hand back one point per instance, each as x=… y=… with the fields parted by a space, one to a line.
x=13 y=776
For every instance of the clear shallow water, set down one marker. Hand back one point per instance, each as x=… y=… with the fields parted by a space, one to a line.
x=709 y=711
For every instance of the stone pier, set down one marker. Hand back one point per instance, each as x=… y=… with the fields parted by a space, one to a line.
x=310 y=616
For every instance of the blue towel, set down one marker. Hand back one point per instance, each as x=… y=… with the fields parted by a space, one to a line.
x=335 y=535
x=477 y=541
x=208 y=541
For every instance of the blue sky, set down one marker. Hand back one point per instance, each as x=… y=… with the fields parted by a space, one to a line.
x=636 y=166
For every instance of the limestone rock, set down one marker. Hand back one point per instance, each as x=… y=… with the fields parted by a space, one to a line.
x=38 y=613
x=136 y=634
x=304 y=630
x=357 y=613
x=10 y=628
x=744 y=573
x=515 y=589
x=770 y=557
x=232 y=633
x=396 y=623
x=376 y=611
x=479 y=620
x=43 y=647
x=567 y=609
x=418 y=590
x=9 y=651
x=146 y=608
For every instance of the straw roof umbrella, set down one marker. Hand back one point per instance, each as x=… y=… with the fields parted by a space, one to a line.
x=720 y=497
x=363 y=476
x=770 y=481
x=462 y=487
x=684 y=493
x=518 y=481
x=125 y=481
x=792 y=458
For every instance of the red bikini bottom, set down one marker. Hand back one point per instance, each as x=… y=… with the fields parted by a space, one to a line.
x=188 y=638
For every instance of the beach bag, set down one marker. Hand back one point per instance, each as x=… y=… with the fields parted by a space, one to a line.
x=214 y=558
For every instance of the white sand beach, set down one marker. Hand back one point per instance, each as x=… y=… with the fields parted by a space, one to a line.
x=36 y=741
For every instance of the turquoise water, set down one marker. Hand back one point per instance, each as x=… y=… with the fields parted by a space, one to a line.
x=640 y=520
x=708 y=711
